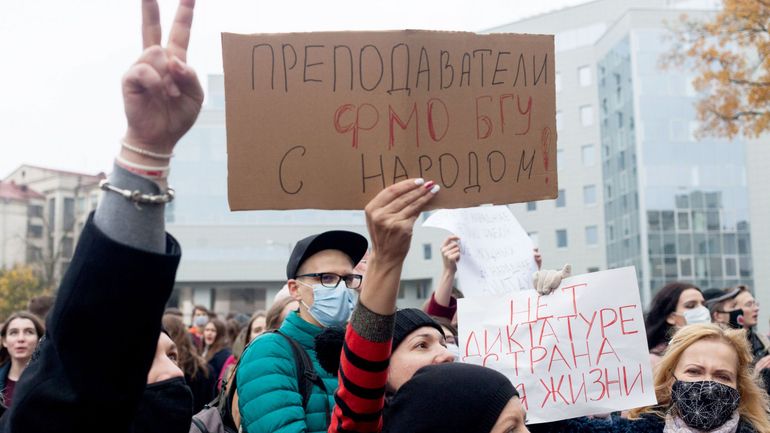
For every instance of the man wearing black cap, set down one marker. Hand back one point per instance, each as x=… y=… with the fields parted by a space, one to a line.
x=717 y=301
x=321 y=278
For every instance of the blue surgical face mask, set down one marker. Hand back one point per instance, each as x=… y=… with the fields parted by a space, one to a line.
x=331 y=307
x=200 y=321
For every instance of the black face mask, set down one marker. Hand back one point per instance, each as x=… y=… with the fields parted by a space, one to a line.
x=736 y=319
x=166 y=407
x=704 y=405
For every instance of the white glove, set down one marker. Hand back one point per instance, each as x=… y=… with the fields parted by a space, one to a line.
x=546 y=281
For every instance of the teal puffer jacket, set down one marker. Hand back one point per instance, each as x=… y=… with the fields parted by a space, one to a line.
x=269 y=399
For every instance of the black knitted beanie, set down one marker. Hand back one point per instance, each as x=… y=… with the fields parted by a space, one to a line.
x=449 y=398
x=409 y=320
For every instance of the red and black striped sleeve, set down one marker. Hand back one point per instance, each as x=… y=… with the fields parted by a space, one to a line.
x=363 y=373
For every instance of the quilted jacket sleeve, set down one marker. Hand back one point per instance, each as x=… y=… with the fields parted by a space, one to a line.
x=269 y=399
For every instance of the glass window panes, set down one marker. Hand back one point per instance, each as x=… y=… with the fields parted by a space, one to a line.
x=699 y=243
x=561 y=201
x=712 y=220
x=715 y=264
x=561 y=238
x=669 y=245
x=743 y=244
x=698 y=221
x=584 y=76
x=685 y=266
x=682 y=201
x=731 y=267
x=700 y=267
x=589 y=194
x=683 y=221
x=655 y=244
x=531 y=206
x=744 y=266
x=589 y=155
x=715 y=245
x=729 y=244
x=586 y=115
x=667 y=221
x=671 y=269
x=427 y=251
x=653 y=220
x=684 y=245
x=592 y=235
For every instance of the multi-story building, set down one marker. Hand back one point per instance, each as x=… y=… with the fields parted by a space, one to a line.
x=55 y=224
x=21 y=224
x=653 y=195
x=236 y=261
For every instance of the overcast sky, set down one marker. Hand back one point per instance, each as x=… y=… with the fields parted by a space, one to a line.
x=60 y=102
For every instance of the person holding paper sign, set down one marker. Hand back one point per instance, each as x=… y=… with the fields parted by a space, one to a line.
x=490 y=405
x=704 y=383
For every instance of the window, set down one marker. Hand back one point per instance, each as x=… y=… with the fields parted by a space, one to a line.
x=561 y=238
x=69 y=214
x=589 y=155
x=67 y=247
x=35 y=211
x=584 y=76
x=593 y=269
x=586 y=115
x=685 y=267
x=35 y=231
x=592 y=236
x=561 y=201
x=427 y=251
x=52 y=214
x=589 y=194
x=531 y=206
x=557 y=82
x=610 y=232
x=559 y=120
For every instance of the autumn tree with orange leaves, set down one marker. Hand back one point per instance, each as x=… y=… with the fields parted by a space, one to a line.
x=731 y=57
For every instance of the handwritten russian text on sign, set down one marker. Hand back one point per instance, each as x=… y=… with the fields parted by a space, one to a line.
x=580 y=351
x=496 y=254
x=327 y=120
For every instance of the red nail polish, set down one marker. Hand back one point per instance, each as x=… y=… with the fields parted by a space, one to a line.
x=429 y=184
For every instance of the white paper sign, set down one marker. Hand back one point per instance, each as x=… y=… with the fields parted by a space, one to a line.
x=581 y=350
x=496 y=254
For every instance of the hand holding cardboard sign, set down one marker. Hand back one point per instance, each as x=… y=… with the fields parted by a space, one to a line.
x=161 y=93
x=390 y=218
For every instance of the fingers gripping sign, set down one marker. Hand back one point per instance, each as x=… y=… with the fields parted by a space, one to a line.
x=391 y=214
x=161 y=93
x=450 y=252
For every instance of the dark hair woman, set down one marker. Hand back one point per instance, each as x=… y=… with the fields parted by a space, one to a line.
x=675 y=305
x=216 y=350
x=198 y=374
x=20 y=334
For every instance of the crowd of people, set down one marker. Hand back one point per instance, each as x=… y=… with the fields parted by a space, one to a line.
x=333 y=353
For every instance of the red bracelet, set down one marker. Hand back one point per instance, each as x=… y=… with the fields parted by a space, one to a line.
x=143 y=170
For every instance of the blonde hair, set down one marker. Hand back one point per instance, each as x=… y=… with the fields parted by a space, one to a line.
x=754 y=401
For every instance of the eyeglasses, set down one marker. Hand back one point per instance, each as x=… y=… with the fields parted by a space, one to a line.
x=751 y=304
x=330 y=280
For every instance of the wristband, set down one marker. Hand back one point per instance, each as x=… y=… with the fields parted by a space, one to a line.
x=150 y=171
x=137 y=196
x=145 y=152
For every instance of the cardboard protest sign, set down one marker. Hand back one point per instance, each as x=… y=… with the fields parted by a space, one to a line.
x=327 y=120
x=496 y=254
x=580 y=351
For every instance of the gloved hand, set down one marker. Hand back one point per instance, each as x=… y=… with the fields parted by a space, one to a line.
x=546 y=281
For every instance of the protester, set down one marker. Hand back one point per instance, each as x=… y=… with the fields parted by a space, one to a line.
x=720 y=303
x=320 y=277
x=97 y=369
x=675 y=305
x=744 y=313
x=20 y=334
x=256 y=325
x=198 y=374
x=704 y=383
x=417 y=397
x=216 y=348
x=277 y=312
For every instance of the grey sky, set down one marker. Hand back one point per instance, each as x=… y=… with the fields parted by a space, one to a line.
x=62 y=61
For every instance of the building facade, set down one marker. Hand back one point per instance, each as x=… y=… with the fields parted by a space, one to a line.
x=21 y=224
x=673 y=206
x=56 y=215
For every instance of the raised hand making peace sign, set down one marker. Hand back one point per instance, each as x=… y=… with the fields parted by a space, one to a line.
x=161 y=93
